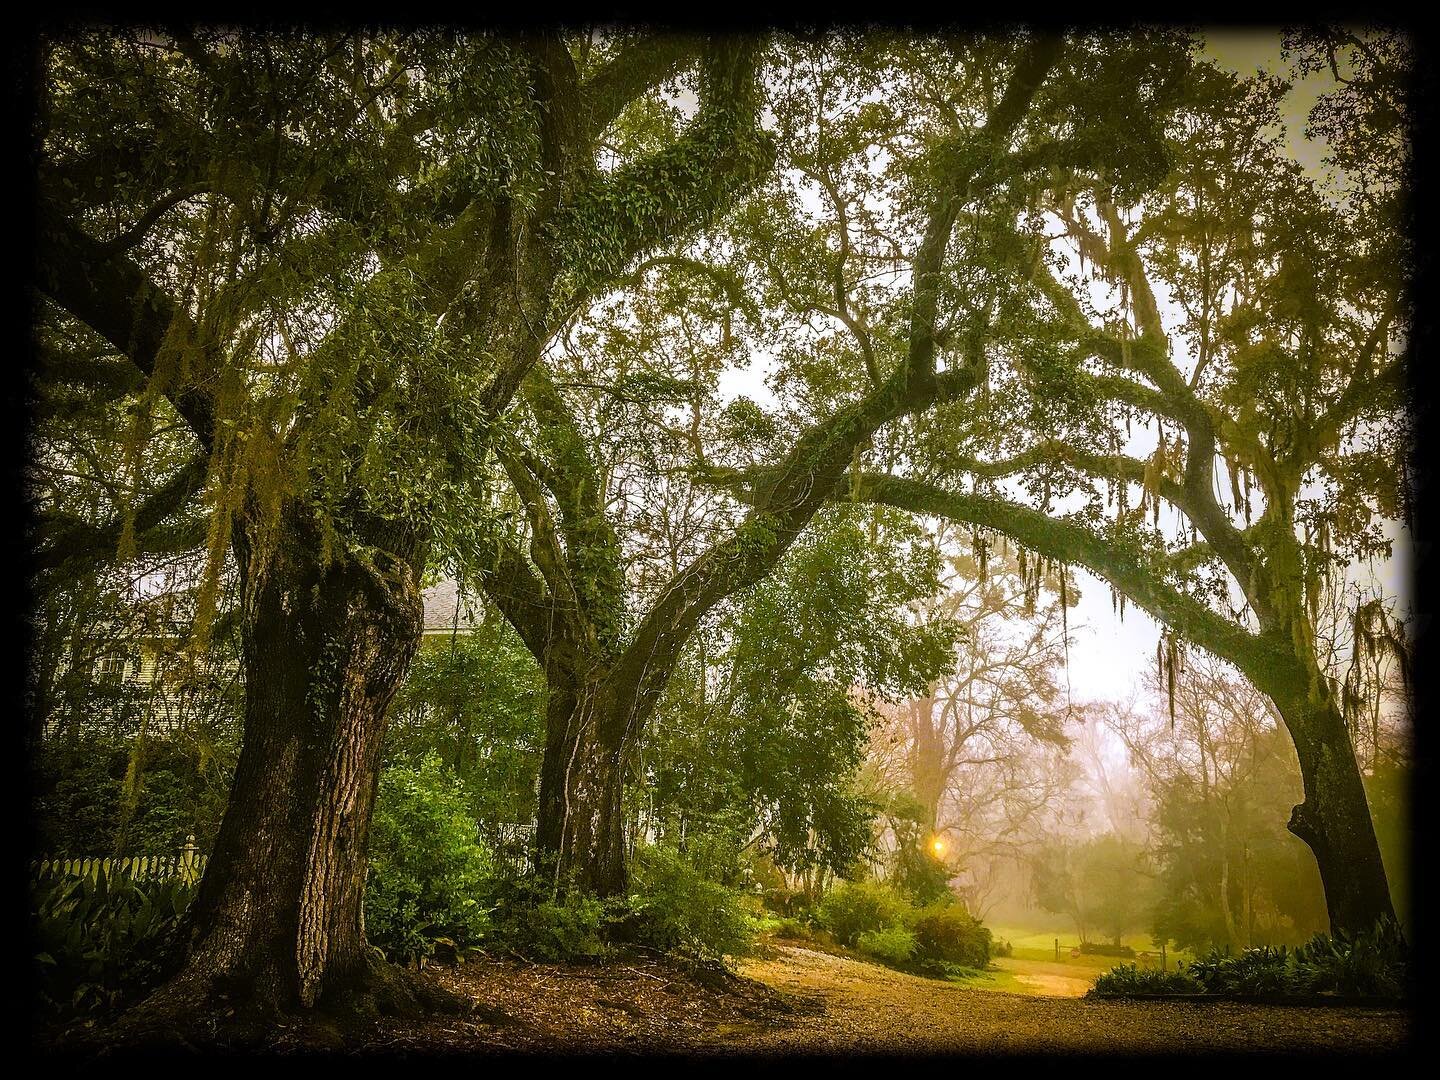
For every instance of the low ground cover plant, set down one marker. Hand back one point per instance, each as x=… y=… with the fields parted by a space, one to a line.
x=1128 y=980
x=1368 y=965
x=101 y=940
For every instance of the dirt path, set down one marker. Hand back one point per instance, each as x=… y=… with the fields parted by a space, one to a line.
x=1046 y=979
x=859 y=1007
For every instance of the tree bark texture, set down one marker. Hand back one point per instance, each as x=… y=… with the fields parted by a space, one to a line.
x=581 y=831
x=1334 y=818
x=278 y=921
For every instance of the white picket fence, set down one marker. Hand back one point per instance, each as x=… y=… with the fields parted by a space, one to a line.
x=188 y=865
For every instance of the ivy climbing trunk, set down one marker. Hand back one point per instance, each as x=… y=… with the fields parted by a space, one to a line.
x=278 y=920
x=580 y=834
x=1334 y=818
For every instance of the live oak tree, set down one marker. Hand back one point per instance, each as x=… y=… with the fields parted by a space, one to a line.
x=330 y=260
x=1278 y=393
x=564 y=590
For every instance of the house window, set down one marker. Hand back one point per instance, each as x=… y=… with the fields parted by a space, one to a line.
x=111 y=668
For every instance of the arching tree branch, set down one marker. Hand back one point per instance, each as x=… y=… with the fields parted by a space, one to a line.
x=115 y=298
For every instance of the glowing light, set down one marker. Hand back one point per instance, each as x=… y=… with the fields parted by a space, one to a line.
x=938 y=846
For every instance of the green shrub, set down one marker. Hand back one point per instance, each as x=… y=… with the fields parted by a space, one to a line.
x=1127 y=980
x=789 y=929
x=920 y=877
x=427 y=867
x=102 y=940
x=1002 y=948
x=674 y=907
x=1373 y=964
x=526 y=919
x=894 y=944
x=857 y=907
x=1265 y=970
x=948 y=933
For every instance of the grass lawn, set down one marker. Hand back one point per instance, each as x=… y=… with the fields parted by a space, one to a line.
x=993 y=980
x=1040 y=945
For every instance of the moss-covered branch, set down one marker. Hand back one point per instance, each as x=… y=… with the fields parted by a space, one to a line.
x=683 y=186
x=632 y=71
x=1067 y=540
x=111 y=294
x=82 y=540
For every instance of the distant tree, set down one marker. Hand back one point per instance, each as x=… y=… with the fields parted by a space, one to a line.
x=969 y=753
x=1220 y=778
x=1102 y=883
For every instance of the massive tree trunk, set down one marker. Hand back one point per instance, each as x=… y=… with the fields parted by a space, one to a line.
x=278 y=920
x=1334 y=819
x=580 y=836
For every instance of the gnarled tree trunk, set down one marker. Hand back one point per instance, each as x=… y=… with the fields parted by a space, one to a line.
x=1334 y=819
x=278 y=921
x=580 y=835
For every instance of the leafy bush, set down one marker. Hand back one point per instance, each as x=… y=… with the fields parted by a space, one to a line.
x=1264 y=970
x=182 y=785
x=102 y=940
x=894 y=944
x=675 y=908
x=857 y=907
x=1002 y=948
x=1127 y=980
x=919 y=876
x=949 y=933
x=1366 y=965
x=528 y=920
x=1372 y=964
x=788 y=929
x=427 y=867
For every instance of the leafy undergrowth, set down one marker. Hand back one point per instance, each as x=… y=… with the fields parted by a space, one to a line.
x=1372 y=965
x=100 y=940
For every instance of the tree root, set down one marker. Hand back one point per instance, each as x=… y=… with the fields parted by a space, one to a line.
x=198 y=1013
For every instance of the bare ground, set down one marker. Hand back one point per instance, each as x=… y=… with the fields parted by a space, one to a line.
x=1047 y=979
x=798 y=1001
x=793 y=1000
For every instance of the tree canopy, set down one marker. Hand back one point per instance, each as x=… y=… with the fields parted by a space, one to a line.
x=765 y=389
